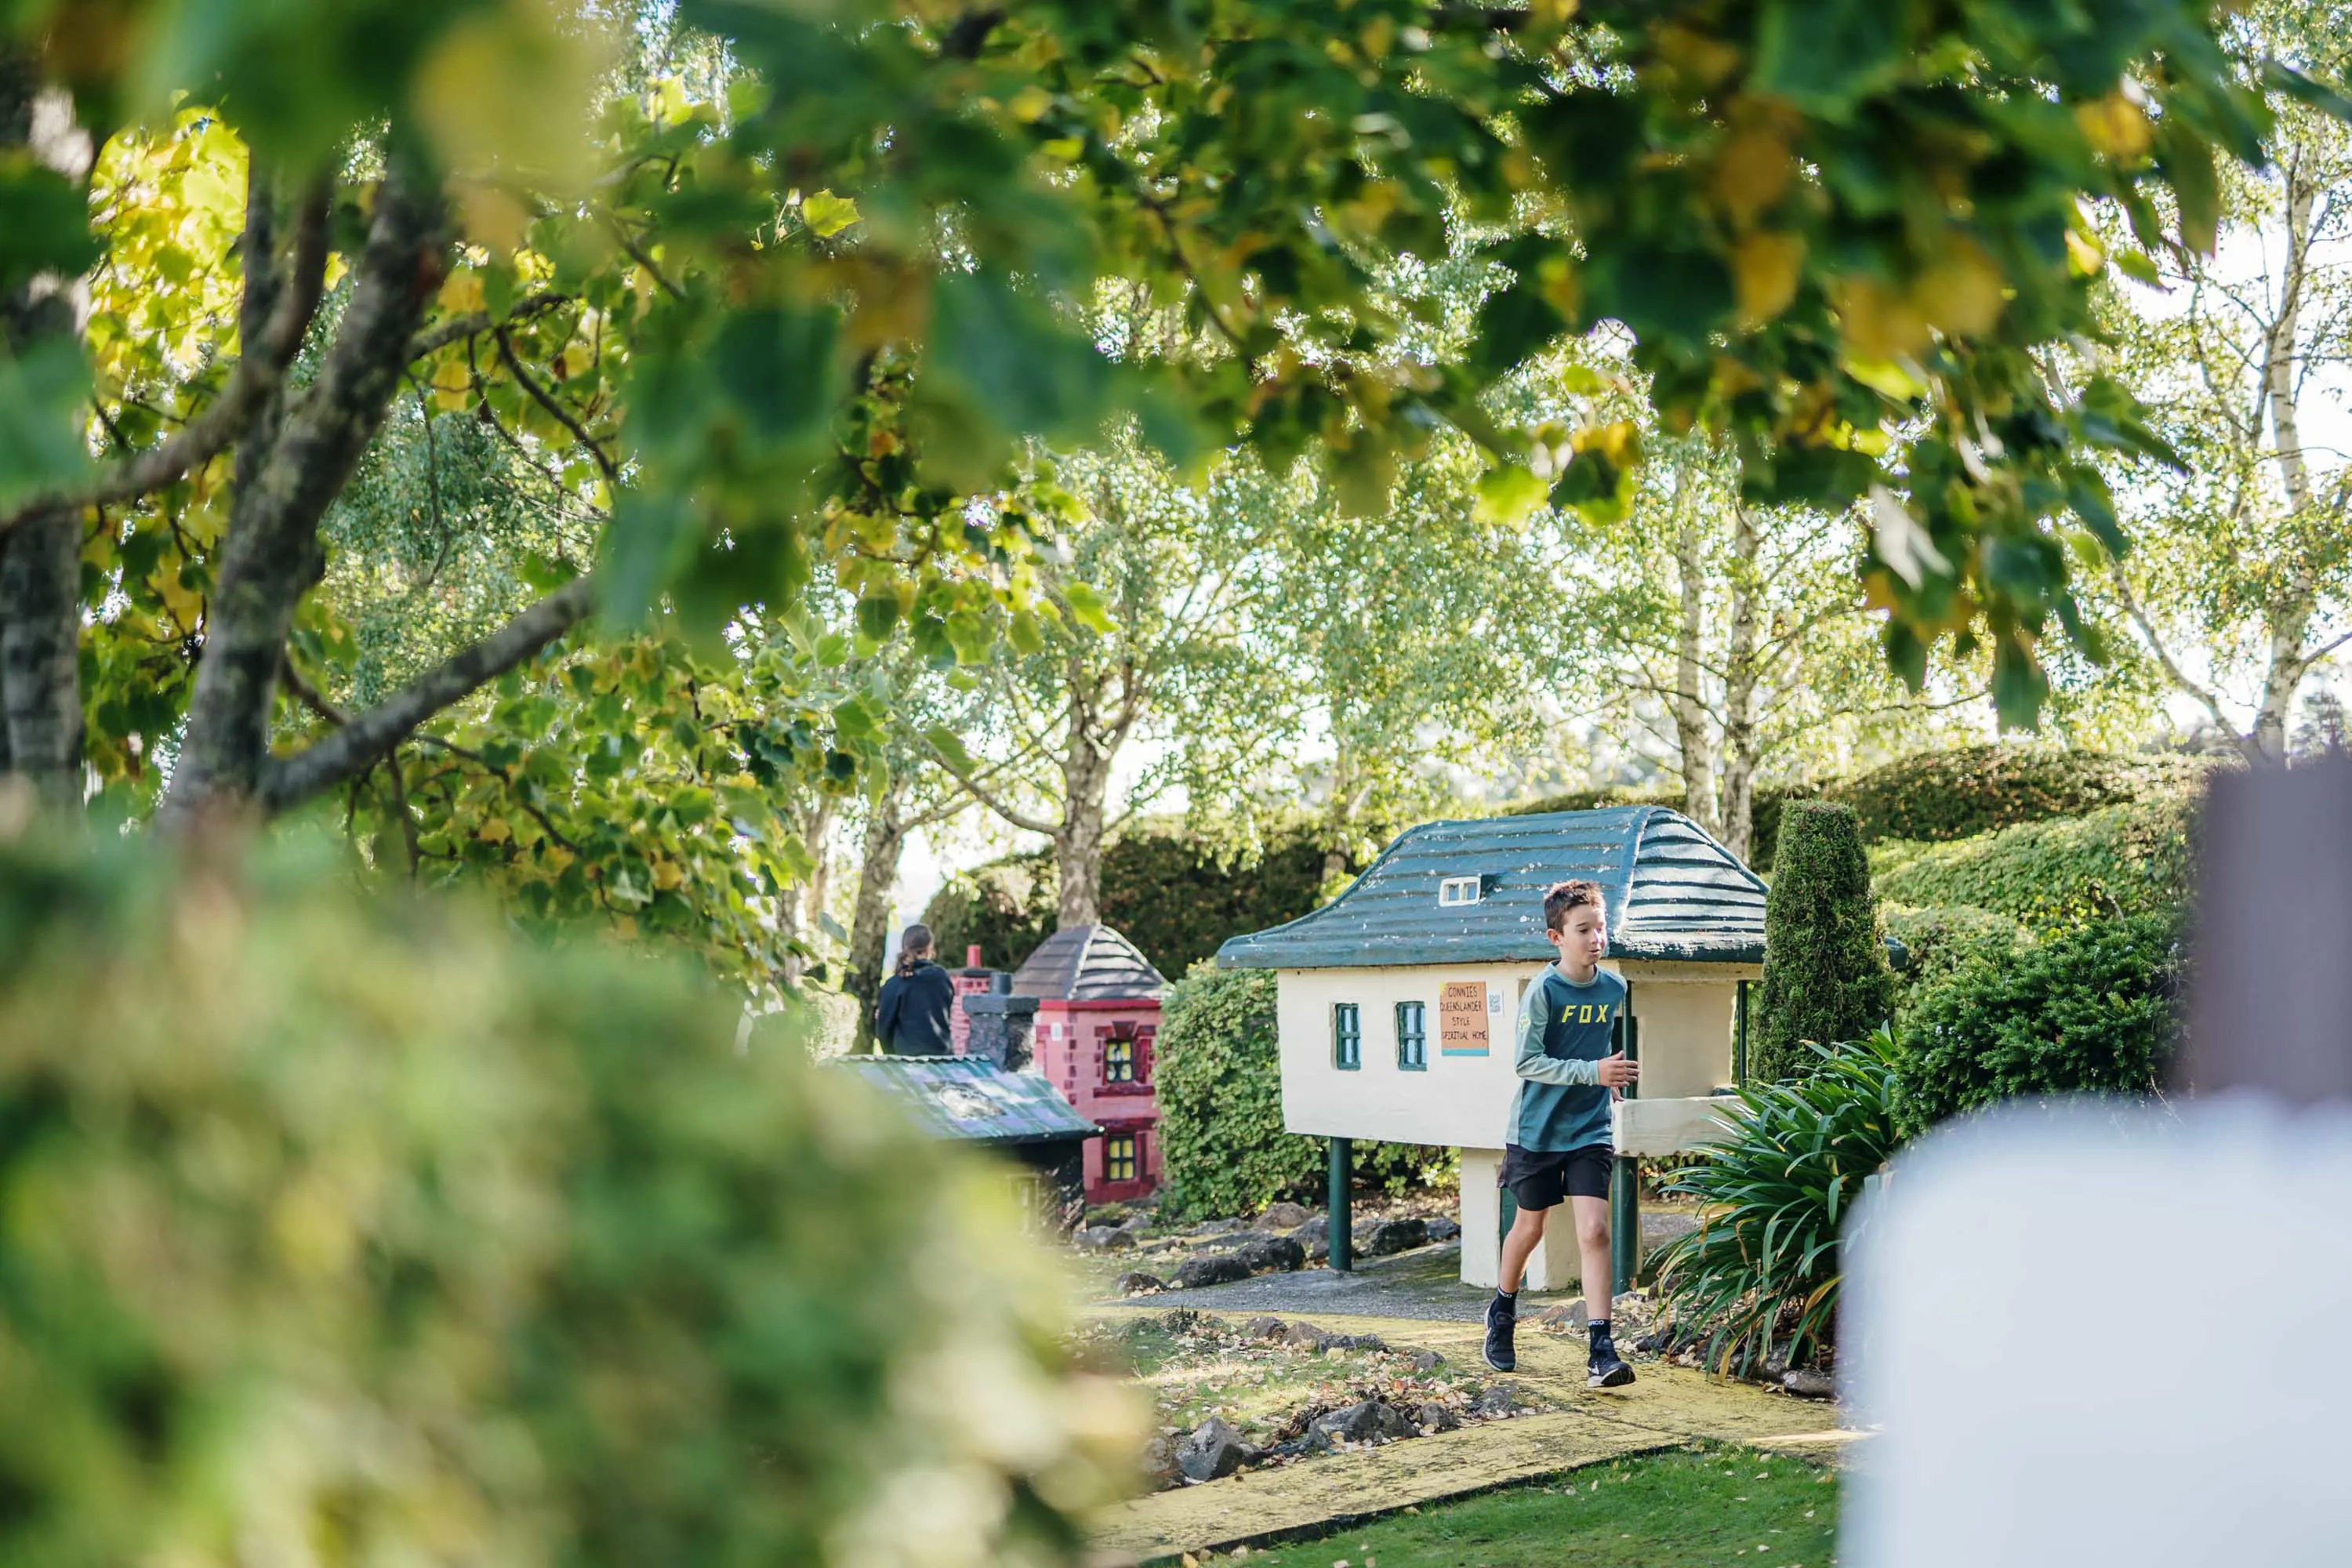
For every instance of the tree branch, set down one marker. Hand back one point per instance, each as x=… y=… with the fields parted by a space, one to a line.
x=2155 y=643
x=364 y=738
x=255 y=376
x=562 y=415
x=459 y=327
x=989 y=799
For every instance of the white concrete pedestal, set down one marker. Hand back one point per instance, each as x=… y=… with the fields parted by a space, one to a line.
x=1553 y=1265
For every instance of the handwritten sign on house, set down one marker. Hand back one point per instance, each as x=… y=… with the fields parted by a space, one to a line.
x=1462 y=1018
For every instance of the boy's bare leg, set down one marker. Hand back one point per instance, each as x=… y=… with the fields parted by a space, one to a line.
x=1519 y=1245
x=1592 y=1249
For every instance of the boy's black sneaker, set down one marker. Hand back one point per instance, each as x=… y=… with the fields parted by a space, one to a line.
x=1606 y=1370
x=1502 y=1317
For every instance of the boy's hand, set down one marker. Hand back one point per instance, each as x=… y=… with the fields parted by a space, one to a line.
x=1616 y=1072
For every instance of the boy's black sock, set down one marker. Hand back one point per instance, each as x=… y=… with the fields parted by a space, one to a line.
x=1508 y=1299
x=1596 y=1332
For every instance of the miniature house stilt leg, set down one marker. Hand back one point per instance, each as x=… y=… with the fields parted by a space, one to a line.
x=1342 y=1180
x=1625 y=1224
x=1485 y=1216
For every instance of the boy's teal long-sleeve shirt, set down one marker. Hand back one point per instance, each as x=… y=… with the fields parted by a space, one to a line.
x=1565 y=1031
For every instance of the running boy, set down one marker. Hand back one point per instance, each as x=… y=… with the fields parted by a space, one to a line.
x=1558 y=1145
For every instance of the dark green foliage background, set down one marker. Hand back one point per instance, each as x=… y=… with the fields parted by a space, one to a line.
x=2060 y=875
x=1174 y=893
x=360 y=1215
x=2093 y=1011
x=1825 y=976
x=1221 y=1108
x=1942 y=938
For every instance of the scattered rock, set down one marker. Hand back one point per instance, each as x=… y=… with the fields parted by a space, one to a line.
x=1216 y=1226
x=1383 y=1236
x=1573 y=1319
x=1444 y=1230
x=1373 y=1419
x=1314 y=1235
x=1266 y=1327
x=1776 y=1366
x=1305 y=1337
x=1213 y=1450
x=1135 y=1224
x=1426 y=1362
x=1284 y=1217
x=1180 y=1319
x=1502 y=1399
x=1359 y=1341
x=1103 y=1239
x=1809 y=1382
x=1217 y=1268
x=1266 y=1253
x=1435 y=1418
x=1135 y=1282
x=1160 y=1462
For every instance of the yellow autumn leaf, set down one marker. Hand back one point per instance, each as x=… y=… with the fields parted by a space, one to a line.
x=512 y=85
x=827 y=213
x=1877 y=322
x=1765 y=269
x=1960 y=295
x=461 y=291
x=2084 y=257
x=1750 y=172
x=2115 y=126
x=494 y=831
x=666 y=875
x=557 y=857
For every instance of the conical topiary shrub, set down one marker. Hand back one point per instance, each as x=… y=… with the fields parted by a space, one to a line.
x=1825 y=976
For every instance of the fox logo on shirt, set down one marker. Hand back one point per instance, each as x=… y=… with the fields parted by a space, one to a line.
x=1585 y=1013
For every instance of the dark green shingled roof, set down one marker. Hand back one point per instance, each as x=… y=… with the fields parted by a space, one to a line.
x=1672 y=892
x=1087 y=964
x=972 y=1098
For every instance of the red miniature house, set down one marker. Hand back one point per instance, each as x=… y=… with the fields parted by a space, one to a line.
x=1097 y=1020
x=972 y=979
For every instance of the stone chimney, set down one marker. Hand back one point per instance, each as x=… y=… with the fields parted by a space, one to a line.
x=1004 y=1027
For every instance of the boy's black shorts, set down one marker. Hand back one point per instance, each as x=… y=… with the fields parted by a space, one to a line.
x=1539 y=1180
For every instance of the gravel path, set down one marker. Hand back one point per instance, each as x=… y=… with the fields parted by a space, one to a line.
x=1426 y=1283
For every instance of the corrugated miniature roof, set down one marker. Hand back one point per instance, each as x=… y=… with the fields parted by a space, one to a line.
x=1671 y=892
x=972 y=1098
x=1087 y=964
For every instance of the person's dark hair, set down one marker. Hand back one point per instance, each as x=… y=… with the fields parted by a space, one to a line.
x=1566 y=896
x=914 y=946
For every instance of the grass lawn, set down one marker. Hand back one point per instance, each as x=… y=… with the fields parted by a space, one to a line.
x=1716 y=1505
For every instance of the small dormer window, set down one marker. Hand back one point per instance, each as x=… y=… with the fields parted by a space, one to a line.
x=1455 y=891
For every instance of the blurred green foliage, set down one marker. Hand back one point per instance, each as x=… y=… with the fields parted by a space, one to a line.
x=340 y=1228
x=1940 y=795
x=2094 y=1011
x=1220 y=1093
x=1943 y=938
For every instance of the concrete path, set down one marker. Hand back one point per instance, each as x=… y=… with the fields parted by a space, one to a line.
x=1668 y=1406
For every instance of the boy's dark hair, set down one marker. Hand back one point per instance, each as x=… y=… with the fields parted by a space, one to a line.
x=1566 y=896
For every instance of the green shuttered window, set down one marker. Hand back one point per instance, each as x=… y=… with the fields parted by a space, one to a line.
x=1347 y=1037
x=1412 y=1037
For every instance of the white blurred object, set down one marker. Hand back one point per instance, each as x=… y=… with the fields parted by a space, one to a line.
x=2031 y=1323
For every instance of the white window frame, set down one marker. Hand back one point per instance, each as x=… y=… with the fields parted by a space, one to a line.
x=1455 y=893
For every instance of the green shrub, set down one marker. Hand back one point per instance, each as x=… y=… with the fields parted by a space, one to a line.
x=1938 y=796
x=2055 y=876
x=1825 y=976
x=1174 y=894
x=1763 y=1269
x=1219 y=1094
x=1942 y=938
x=368 y=1232
x=2089 y=1012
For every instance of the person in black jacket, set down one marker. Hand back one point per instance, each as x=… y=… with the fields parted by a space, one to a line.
x=912 y=1017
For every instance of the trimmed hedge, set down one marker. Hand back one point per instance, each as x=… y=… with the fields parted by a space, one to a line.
x=2093 y=1011
x=1173 y=895
x=1220 y=1092
x=2056 y=875
x=362 y=1230
x=1825 y=976
x=1944 y=937
x=1938 y=796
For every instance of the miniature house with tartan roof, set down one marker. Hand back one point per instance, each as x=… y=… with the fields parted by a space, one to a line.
x=1097 y=1021
x=1397 y=1002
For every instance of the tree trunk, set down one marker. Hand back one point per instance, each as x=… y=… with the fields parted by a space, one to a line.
x=869 y=920
x=41 y=559
x=2289 y=615
x=803 y=911
x=1739 y=689
x=1078 y=847
x=1691 y=733
x=292 y=463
